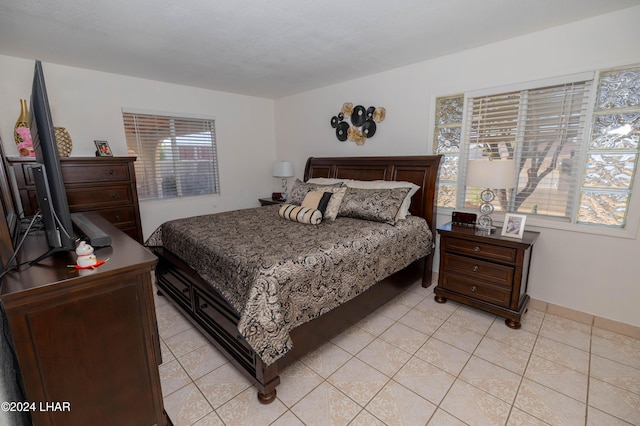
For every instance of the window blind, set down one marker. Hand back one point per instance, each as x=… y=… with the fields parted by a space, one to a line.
x=176 y=155
x=542 y=129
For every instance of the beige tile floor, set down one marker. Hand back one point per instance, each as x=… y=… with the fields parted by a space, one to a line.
x=417 y=362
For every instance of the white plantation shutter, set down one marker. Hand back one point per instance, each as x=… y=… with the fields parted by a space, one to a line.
x=176 y=155
x=542 y=129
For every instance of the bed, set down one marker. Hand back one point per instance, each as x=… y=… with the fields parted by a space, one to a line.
x=237 y=304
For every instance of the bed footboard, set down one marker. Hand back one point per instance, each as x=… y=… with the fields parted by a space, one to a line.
x=217 y=321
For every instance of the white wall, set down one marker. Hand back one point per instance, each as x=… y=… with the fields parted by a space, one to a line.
x=88 y=104
x=585 y=272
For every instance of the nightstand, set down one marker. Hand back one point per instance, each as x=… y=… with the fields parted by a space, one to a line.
x=269 y=201
x=485 y=271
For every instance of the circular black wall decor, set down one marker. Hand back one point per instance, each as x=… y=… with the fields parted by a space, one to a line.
x=342 y=131
x=363 y=122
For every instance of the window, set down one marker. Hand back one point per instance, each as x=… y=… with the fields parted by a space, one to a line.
x=176 y=155
x=575 y=162
x=612 y=156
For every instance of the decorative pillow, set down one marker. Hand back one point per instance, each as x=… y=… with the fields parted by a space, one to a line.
x=379 y=205
x=300 y=214
x=389 y=184
x=300 y=189
x=317 y=200
x=334 y=203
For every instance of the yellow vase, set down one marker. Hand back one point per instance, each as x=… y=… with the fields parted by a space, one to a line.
x=23 y=120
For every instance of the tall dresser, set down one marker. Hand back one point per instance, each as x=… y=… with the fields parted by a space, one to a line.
x=106 y=185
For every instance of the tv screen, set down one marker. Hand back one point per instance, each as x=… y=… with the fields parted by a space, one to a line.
x=52 y=196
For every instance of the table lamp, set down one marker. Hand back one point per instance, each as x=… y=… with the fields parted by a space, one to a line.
x=284 y=170
x=490 y=174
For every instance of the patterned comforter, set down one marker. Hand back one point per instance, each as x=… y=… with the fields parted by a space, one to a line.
x=279 y=274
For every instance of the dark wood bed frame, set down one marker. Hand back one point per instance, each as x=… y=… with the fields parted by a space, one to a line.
x=217 y=320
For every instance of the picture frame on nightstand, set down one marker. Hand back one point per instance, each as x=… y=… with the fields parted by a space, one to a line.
x=513 y=226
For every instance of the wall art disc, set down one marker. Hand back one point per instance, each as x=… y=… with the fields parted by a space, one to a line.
x=341 y=131
x=334 y=121
x=369 y=128
x=370 y=112
x=358 y=116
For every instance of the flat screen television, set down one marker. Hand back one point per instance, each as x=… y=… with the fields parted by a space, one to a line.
x=9 y=228
x=47 y=173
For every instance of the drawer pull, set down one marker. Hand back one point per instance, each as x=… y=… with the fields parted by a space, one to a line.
x=185 y=290
x=476 y=248
x=118 y=217
x=204 y=306
x=475 y=268
x=111 y=172
x=114 y=195
x=474 y=288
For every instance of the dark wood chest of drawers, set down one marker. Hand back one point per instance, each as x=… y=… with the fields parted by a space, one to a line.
x=106 y=185
x=485 y=271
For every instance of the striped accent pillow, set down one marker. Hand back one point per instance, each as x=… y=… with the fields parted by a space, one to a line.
x=317 y=200
x=300 y=214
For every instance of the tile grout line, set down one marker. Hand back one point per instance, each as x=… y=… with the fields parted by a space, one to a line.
x=586 y=414
x=513 y=404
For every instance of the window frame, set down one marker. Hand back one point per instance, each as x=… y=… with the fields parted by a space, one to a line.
x=633 y=215
x=186 y=116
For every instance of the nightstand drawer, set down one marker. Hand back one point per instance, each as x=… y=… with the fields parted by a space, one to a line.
x=478 y=290
x=479 y=270
x=484 y=250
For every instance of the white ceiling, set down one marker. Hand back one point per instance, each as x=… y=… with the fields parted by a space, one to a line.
x=269 y=48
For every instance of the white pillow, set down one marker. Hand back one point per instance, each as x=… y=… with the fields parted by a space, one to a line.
x=327 y=181
x=389 y=184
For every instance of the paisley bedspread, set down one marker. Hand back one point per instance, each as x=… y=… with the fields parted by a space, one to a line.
x=279 y=274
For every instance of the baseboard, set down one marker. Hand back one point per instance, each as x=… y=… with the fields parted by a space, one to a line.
x=584 y=318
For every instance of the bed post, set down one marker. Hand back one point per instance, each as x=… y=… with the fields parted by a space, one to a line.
x=268 y=379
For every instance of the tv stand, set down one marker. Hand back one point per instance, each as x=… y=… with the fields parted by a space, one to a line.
x=51 y=252
x=87 y=338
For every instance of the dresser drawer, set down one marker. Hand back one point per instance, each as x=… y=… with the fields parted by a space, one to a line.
x=484 y=250
x=73 y=173
x=83 y=173
x=82 y=198
x=491 y=293
x=174 y=283
x=479 y=269
x=222 y=324
x=122 y=217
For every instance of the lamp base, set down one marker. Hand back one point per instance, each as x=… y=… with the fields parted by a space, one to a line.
x=284 y=189
x=485 y=224
x=485 y=230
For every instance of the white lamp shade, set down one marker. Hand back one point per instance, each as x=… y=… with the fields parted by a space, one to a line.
x=282 y=169
x=497 y=174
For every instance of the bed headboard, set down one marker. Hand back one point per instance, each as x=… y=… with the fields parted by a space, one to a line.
x=421 y=170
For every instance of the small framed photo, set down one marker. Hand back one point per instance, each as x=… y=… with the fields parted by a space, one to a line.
x=102 y=149
x=513 y=225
